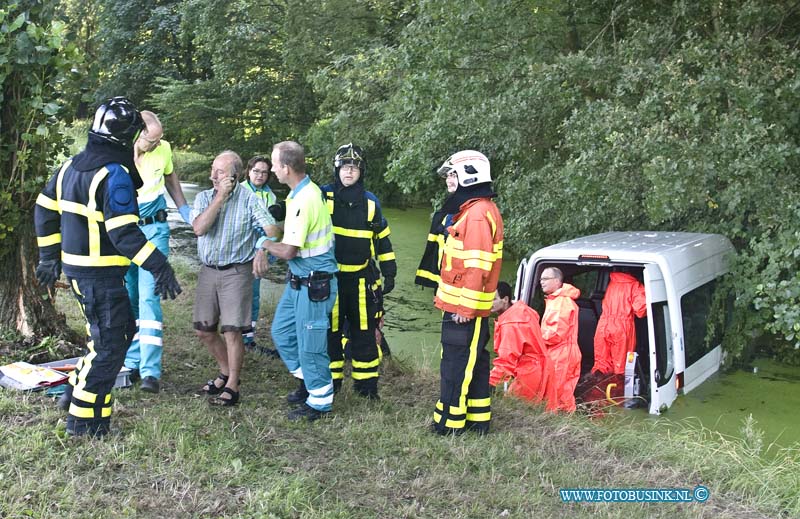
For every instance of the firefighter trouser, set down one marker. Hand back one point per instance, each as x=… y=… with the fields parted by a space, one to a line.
x=147 y=346
x=356 y=312
x=465 y=401
x=299 y=331
x=110 y=327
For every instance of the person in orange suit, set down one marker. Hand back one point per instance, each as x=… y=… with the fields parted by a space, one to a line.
x=560 y=334
x=522 y=364
x=616 y=335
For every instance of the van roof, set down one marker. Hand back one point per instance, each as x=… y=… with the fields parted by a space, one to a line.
x=678 y=249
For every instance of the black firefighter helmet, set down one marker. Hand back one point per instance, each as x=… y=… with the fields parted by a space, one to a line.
x=349 y=154
x=117 y=121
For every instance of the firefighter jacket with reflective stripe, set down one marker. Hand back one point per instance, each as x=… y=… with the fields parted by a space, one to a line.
x=362 y=233
x=471 y=261
x=90 y=219
x=428 y=270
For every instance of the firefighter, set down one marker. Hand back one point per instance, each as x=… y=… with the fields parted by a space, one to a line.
x=560 y=334
x=362 y=236
x=522 y=367
x=616 y=333
x=86 y=220
x=470 y=268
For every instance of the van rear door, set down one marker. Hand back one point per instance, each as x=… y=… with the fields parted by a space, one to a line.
x=663 y=390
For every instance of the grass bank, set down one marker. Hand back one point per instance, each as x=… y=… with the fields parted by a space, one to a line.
x=172 y=455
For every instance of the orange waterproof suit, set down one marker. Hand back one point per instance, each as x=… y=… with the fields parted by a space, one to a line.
x=616 y=333
x=522 y=356
x=560 y=334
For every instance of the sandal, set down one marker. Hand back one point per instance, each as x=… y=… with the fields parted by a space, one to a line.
x=226 y=402
x=211 y=388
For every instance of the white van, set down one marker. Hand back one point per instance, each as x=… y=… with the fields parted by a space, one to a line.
x=680 y=272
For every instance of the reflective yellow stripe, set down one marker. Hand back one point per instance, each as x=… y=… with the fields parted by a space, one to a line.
x=498 y=248
x=335 y=316
x=386 y=257
x=453 y=424
x=466 y=292
x=479 y=402
x=491 y=221
x=91 y=206
x=46 y=202
x=362 y=304
x=89 y=398
x=366 y=365
x=428 y=275
x=479 y=417
x=89 y=261
x=473 y=357
x=357 y=375
x=330 y=203
x=144 y=253
x=88 y=412
x=472 y=254
x=479 y=264
x=59 y=181
x=370 y=210
x=352 y=268
x=337 y=375
x=460 y=301
x=433 y=237
x=384 y=233
x=44 y=241
x=352 y=233
x=337 y=364
x=65 y=206
x=119 y=221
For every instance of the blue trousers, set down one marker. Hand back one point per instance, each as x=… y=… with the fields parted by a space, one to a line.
x=300 y=333
x=146 y=349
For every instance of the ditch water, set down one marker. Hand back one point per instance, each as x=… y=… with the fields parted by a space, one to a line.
x=767 y=390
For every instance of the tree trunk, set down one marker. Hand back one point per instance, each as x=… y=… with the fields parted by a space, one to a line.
x=24 y=305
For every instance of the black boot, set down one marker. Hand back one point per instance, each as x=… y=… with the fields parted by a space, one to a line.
x=306 y=412
x=337 y=385
x=97 y=427
x=367 y=388
x=299 y=395
x=65 y=399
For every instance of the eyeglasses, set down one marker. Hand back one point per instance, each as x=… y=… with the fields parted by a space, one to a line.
x=543 y=279
x=259 y=171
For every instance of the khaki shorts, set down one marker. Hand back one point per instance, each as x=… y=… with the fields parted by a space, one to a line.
x=223 y=299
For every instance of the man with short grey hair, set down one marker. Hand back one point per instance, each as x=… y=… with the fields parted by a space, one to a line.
x=224 y=219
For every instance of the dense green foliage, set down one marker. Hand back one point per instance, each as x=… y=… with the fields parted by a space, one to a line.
x=35 y=59
x=597 y=115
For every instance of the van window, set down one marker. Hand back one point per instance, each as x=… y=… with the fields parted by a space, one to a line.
x=664 y=348
x=695 y=310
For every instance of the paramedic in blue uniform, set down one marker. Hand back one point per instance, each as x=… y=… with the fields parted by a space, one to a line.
x=86 y=219
x=153 y=158
x=300 y=325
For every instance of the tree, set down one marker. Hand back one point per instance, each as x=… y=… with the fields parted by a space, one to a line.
x=34 y=62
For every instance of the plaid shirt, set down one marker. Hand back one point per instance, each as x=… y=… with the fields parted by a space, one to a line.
x=232 y=238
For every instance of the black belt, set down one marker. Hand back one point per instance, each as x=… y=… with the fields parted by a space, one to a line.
x=296 y=281
x=224 y=267
x=160 y=217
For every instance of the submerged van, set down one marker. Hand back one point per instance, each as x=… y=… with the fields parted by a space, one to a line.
x=676 y=350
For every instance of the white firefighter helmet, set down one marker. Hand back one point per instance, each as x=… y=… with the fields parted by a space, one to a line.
x=471 y=167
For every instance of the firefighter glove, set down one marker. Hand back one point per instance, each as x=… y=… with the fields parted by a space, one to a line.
x=278 y=211
x=388 y=285
x=166 y=284
x=48 y=272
